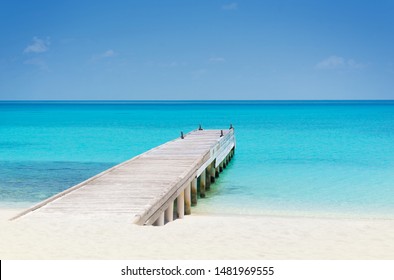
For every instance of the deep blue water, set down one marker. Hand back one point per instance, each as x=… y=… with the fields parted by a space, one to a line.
x=304 y=158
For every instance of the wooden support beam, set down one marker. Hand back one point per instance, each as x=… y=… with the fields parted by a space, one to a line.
x=180 y=205
x=169 y=213
x=208 y=178
x=213 y=172
x=193 y=185
x=188 y=199
x=202 y=184
x=160 y=220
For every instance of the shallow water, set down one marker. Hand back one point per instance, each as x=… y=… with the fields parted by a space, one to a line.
x=309 y=158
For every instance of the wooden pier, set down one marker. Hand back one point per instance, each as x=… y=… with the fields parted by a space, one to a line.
x=152 y=188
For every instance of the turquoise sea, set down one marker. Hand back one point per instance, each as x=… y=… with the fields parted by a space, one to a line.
x=312 y=158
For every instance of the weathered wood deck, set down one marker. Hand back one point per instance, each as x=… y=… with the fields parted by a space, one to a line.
x=152 y=188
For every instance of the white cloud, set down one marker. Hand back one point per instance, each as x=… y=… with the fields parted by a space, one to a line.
x=231 y=6
x=38 y=46
x=198 y=74
x=338 y=62
x=355 y=65
x=104 y=55
x=108 y=53
x=331 y=62
x=216 y=59
x=40 y=63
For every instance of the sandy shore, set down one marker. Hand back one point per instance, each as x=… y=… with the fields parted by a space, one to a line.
x=196 y=237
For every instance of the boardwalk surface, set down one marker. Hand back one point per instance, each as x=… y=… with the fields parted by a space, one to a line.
x=140 y=188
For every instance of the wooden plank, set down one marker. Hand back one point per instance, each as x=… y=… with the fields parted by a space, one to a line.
x=144 y=188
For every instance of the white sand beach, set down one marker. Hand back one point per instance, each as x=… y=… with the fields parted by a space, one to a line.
x=196 y=237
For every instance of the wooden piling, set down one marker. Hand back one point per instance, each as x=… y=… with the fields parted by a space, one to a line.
x=160 y=220
x=202 y=184
x=208 y=178
x=213 y=172
x=193 y=185
x=187 y=200
x=180 y=205
x=169 y=213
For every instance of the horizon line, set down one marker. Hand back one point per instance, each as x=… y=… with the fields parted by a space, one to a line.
x=190 y=100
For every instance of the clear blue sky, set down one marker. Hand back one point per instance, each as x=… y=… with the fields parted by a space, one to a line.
x=184 y=49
